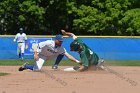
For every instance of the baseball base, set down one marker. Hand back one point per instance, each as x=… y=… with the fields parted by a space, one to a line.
x=69 y=69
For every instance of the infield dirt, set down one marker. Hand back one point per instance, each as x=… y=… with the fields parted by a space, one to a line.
x=119 y=80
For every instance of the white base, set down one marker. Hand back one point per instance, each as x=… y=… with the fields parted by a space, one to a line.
x=69 y=69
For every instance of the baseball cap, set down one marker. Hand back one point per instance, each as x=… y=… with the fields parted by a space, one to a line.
x=21 y=30
x=59 y=37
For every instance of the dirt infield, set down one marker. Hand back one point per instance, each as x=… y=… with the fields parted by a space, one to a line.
x=117 y=80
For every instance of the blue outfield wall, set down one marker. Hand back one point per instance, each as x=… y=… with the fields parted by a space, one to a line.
x=107 y=48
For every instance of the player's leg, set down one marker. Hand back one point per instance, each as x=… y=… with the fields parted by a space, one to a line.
x=58 y=59
x=22 y=50
x=94 y=61
x=100 y=64
x=19 y=50
x=26 y=66
x=19 y=53
x=36 y=67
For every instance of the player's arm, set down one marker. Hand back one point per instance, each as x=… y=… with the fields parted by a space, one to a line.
x=71 y=58
x=37 y=48
x=85 y=62
x=68 y=34
x=84 y=59
x=26 y=42
x=44 y=43
x=36 y=57
x=15 y=38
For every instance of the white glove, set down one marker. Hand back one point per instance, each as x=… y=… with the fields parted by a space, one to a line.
x=14 y=40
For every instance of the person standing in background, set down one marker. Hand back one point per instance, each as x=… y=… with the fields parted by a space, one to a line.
x=21 y=39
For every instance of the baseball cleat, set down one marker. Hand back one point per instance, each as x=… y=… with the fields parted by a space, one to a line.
x=22 y=67
x=55 y=67
x=100 y=64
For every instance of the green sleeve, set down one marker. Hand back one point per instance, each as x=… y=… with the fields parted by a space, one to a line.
x=84 y=59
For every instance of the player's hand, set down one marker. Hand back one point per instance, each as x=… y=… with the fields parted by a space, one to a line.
x=80 y=63
x=63 y=32
x=14 y=40
x=82 y=68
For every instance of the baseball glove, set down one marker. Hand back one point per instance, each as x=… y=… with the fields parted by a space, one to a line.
x=26 y=47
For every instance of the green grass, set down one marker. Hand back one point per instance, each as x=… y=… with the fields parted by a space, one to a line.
x=124 y=63
x=47 y=63
x=69 y=63
x=3 y=74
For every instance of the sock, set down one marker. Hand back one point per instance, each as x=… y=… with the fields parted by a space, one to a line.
x=19 y=55
x=22 y=55
x=29 y=66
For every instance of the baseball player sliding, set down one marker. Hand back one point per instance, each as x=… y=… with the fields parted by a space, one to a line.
x=48 y=50
x=88 y=57
x=21 y=38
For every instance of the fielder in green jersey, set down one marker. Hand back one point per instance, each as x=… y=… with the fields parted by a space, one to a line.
x=88 y=57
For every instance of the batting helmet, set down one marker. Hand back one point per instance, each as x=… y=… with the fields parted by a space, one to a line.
x=74 y=46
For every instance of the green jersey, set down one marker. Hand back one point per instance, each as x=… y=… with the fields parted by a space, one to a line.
x=88 y=57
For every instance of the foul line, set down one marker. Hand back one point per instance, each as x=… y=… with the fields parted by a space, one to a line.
x=130 y=81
